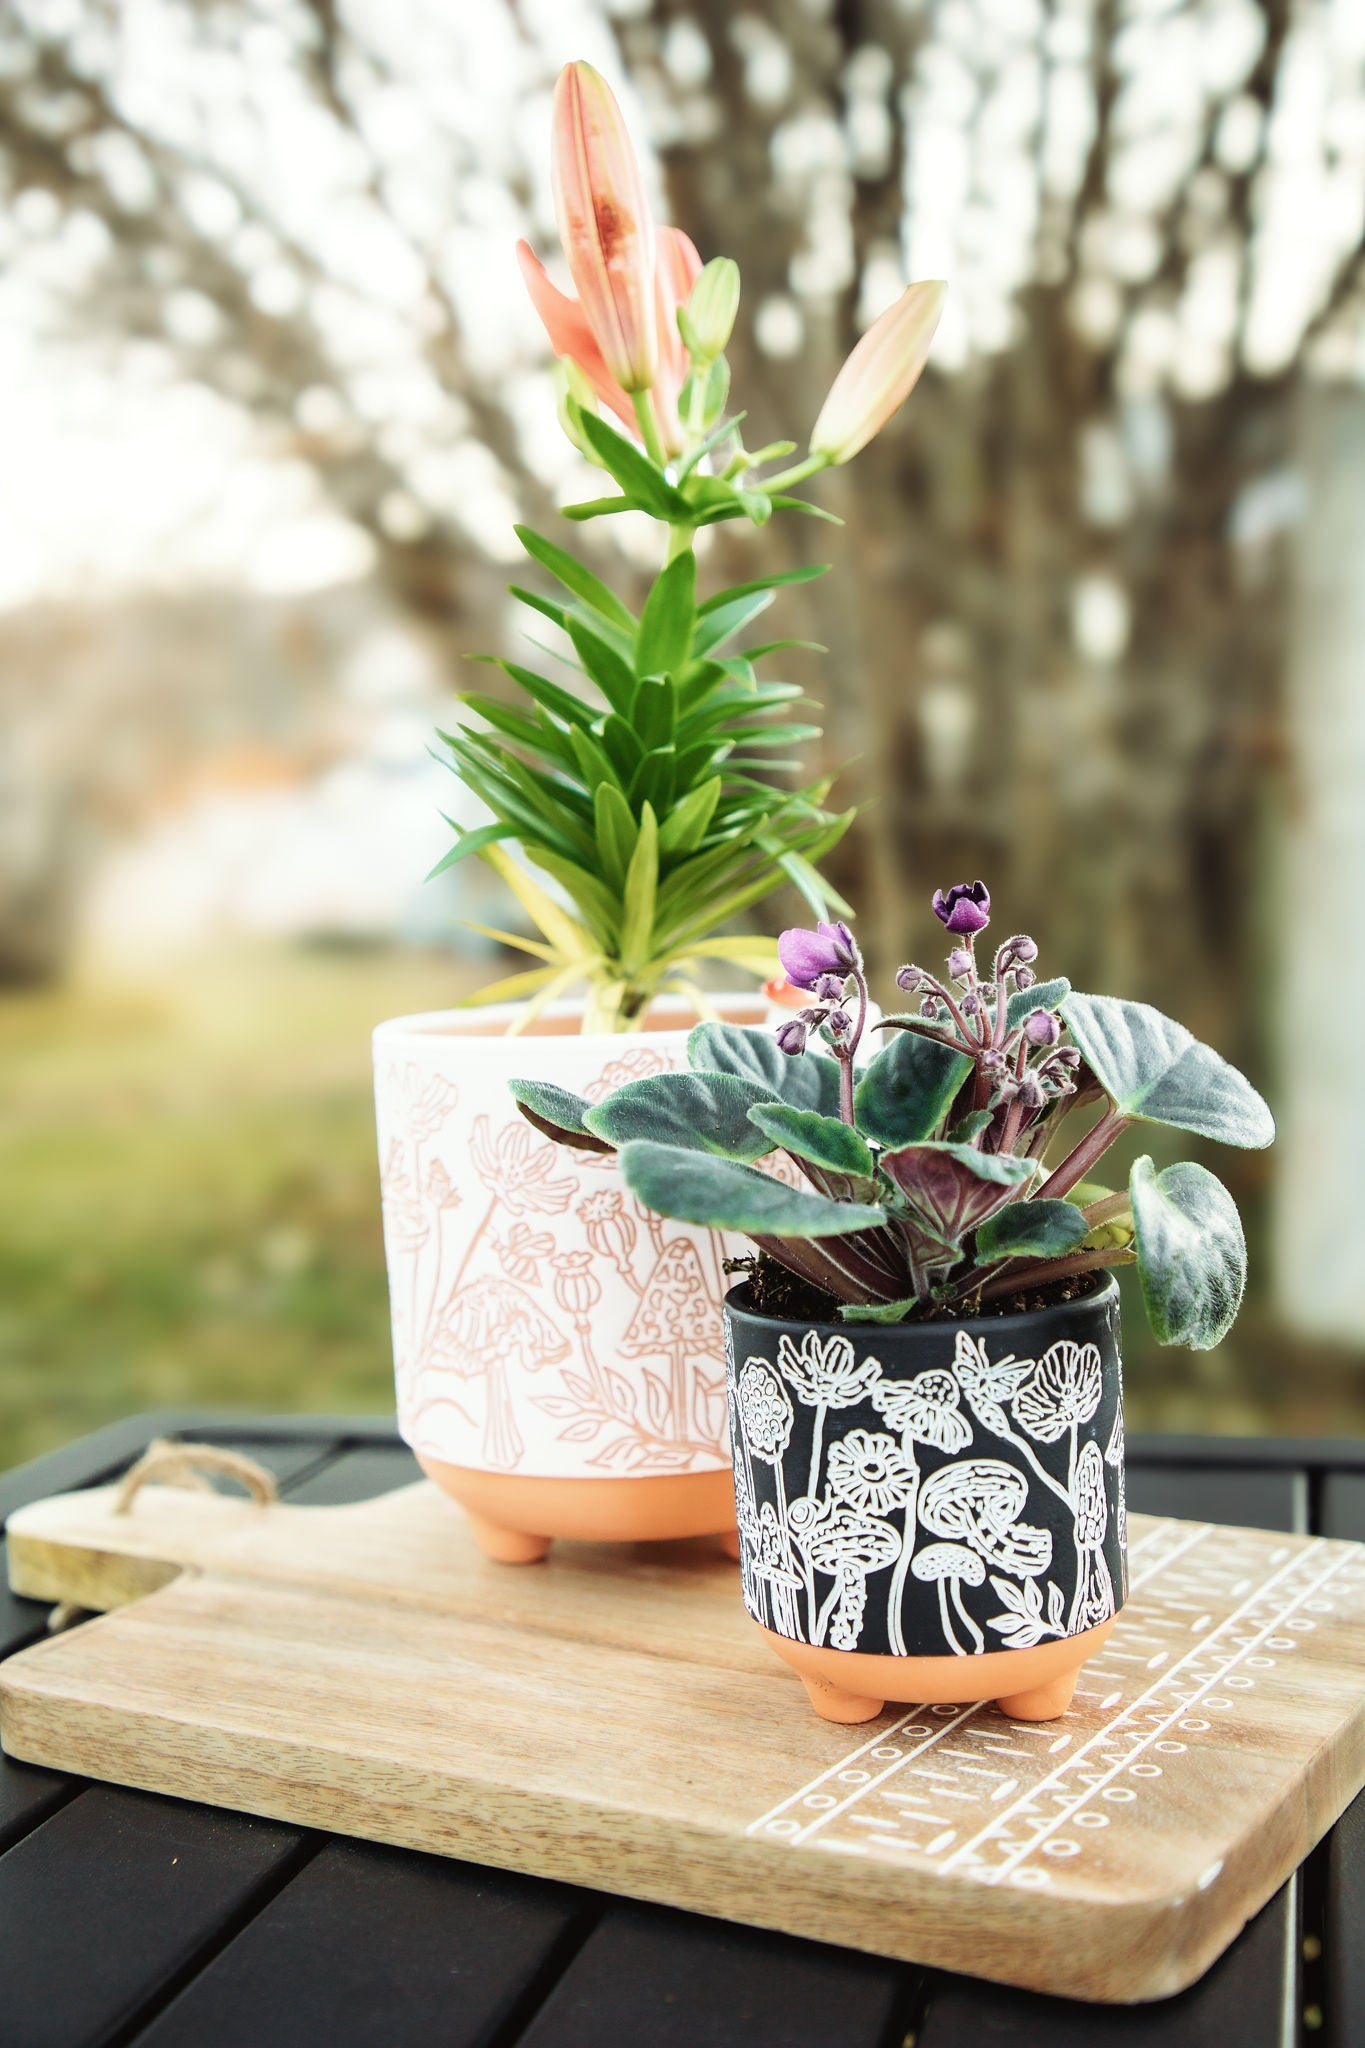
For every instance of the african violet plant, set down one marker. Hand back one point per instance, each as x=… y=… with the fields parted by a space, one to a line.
x=644 y=787
x=940 y=1173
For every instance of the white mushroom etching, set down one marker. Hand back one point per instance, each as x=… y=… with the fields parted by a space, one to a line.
x=847 y=1546
x=1093 y=1601
x=1113 y=1457
x=977 y=1502
x=948 y=1564
x=926 y=1410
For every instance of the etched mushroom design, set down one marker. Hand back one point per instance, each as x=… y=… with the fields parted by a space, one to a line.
x=949 y=1564
x=926 y=1410
x=977 y=1502
x=484 y=1331
x=1093 y=1601
x=848 y=1546
x=677 y=1319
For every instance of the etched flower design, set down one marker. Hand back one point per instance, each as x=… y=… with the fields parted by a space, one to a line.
x=519 y=1168
x=869 y=1470
x=987 y=1383
x=610 y=1229
x=405 y=1221
x=766 y=1411
x=523 y=1252
x=826 y=1373
x=425 y=1100
x=441 y=1189
x=1062 y=1391
x=926 y=1409
x=577 y=1287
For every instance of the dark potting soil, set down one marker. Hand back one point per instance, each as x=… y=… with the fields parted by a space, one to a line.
x=783 y=1295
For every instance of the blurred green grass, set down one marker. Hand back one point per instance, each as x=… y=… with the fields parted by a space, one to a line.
x=189 y=1204
x=189 y=1212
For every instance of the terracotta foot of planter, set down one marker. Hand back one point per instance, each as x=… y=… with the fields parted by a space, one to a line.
x=515 y=1519
x=1031 y=1685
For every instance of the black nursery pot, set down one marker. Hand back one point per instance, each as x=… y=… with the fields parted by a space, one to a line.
x=931 y=1511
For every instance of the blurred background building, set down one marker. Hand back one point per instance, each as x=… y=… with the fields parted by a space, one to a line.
x=271 y=400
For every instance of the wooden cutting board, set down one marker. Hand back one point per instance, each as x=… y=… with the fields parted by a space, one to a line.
x=612 y=1718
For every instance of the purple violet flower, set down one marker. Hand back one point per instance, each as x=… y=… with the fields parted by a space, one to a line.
x=807 y=956
x=791 y=1037
x=964 y=909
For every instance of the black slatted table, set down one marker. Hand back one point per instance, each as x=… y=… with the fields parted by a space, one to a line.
x=130 y=1918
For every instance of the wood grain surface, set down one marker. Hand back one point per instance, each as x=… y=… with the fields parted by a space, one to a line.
x=611 y=1717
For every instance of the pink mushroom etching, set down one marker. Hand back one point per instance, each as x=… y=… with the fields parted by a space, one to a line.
x=677 y=1319
x=487 y=1330
x=952 y=1564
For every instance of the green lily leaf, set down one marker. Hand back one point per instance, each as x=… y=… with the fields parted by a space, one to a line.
x=720 y=1194
x=634 y=471
x=575 y=577
x=1192 y=1257
x=665 y=636
x=825 y=1140
x=908 y=1089
x=956 y=1186
x=1044 y=995
x=698 y=1112
x=877 y=1311
x=557 y=1114
x=806 y=1081
x=1155 y=1070
x=1046 y=1229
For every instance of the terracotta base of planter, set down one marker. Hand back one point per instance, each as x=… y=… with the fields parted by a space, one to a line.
x=1032 y=1685
x=515 y=1520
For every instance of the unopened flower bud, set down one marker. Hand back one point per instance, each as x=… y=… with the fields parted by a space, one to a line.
x=1024 y=977
x=708 y=318
x=1031 y=1093
x=959 y=963
x=971 y=1005
x=909 y=978
x=840 y=1023
x=811 y=1016
x=1021 y=947
x=1042 y=1028
x=929 y=1007
x=992 y=1059
x=1067 y=1056
x=791 y=1037
x=829 y=988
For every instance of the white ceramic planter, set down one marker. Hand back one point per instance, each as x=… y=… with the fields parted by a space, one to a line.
x=545 y=1325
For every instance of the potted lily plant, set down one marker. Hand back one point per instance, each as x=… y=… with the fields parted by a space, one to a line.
x=924 y=1368
x=559 y=1353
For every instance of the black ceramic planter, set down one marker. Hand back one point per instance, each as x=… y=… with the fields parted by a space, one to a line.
x=931 y=1510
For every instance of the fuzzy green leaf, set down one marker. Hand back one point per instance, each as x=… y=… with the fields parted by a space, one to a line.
x=1044 y=995
x=557 y=1114
x=908 y=1089
x=721 y=1194
x=1192 y=1258
x=825 y=1140
x=955 y=1186
x=664 y=640
x=1156 y=1071
x=878 y=1311
x=1045 y=1229
x=699 y=1112
x=807 y=1081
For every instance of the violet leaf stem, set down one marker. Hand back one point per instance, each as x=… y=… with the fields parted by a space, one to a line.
x=1083 y=1155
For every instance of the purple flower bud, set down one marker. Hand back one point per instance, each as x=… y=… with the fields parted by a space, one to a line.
x=971 y=1005
x=929 y=1007
x=1021 y=947
x=1042 y=1028
x=812 y=1016
x=959 y=963
x=791 y=1037
x=992 y=1058
x=1067 y=1056
x=1024 y=977
x=830 y=988
x=807 y=956
x=840 y=1023
x=963 y=909
x=909 y=978
x=1031 y=1093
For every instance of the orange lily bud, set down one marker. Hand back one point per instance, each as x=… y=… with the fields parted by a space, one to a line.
x=879 y=375
x=605 y=225
x=679 y=267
